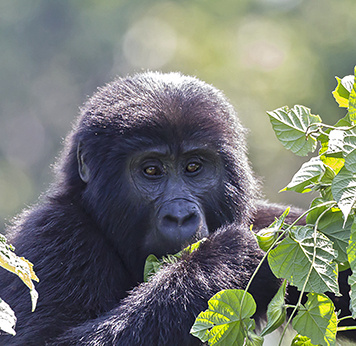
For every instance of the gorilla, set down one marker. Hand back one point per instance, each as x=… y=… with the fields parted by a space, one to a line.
x=154 y=162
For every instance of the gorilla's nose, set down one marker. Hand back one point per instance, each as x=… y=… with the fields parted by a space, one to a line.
x=179 y=220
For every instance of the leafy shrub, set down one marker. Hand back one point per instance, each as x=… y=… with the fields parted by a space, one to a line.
x=308 y=257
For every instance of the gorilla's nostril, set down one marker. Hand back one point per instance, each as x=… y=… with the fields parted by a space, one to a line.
x=190 y=219
x=170 y=221
x=179 y=220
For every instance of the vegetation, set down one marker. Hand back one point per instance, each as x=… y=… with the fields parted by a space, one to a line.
x=23 y=269
x=308 y=257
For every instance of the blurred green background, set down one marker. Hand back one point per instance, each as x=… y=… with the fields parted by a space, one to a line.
x=262 y=53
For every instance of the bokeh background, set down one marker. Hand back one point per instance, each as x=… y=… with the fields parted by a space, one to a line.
x=262 y=53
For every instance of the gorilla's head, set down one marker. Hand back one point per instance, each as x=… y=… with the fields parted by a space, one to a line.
x=158 y=161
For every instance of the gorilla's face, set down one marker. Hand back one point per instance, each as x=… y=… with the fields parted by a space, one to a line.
x=158 y=198
x=163 y=162
x=175 y=182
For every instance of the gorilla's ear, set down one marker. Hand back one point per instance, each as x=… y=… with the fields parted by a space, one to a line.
x=83 y=169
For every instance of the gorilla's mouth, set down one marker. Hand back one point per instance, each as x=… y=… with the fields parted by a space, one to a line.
x=179 y=222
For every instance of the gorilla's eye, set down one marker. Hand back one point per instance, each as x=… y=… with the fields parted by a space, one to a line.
x=152 y=171
x=193 y=167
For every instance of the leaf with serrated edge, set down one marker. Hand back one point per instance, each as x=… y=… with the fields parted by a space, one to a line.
x=343 y=189
x=293 y=258
x=225 y=322
x=309 y=173
x=290 y=126
x=318 y=320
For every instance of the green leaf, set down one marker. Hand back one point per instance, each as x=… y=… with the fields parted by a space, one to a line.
x=19 y=266
x=335 y=163
x=343 y=189
x=314 y=214
x=226 y=321
x=344 y=122
x=290 y=126
x=152 y=266
x=328 y=176
x=349 y=148
x=332 y=225
x=300 y=340
x=293 y=258
x=276 y=311
x=267 y=236
x=352 y=101
x=7 y=318
x=190 y=248
x=342 y=90
x=328 y=158
x=351 y=253
x=253 y=340
x=336 y=141
x=308 y=174
x=318 y=320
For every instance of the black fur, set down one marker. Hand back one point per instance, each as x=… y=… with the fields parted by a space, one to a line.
x=89 y=235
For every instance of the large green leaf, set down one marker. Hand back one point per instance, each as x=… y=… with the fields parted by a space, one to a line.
x=333 y=226
x=290 y=126
x=343 y=189
x=314 y=214
x=225 y=322
x=317 y=320
x=293 y=258
x=309 y=174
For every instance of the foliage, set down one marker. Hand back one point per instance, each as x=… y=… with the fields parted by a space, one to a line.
x=308 y=257
x=228 y=319
x=153 y=264
x=24 y=270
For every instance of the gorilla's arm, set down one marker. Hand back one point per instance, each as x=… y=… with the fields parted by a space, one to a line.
x=162 y=311
x=267 y=212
